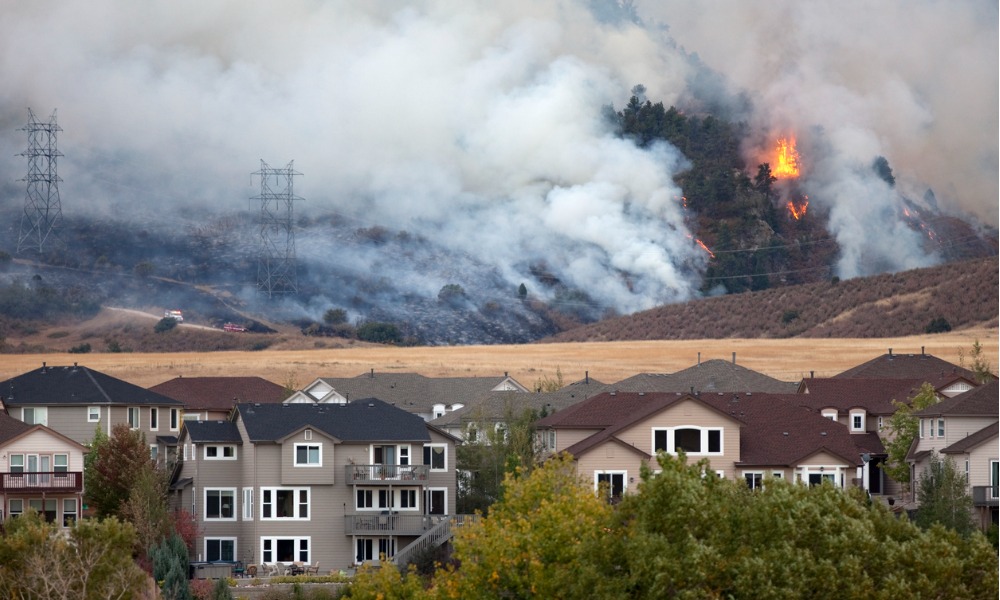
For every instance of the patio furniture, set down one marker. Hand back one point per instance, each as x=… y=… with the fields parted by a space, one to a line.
x=239 y=570
x=313 y=569
x=252 y=571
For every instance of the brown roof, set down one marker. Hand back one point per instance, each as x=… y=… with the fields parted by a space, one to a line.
x=220 y=393
x=607 y=409
x=873 y=395
x=990 y=432
x=710 y=376
x=10 y=427
x=906 y=366
x=983 y=401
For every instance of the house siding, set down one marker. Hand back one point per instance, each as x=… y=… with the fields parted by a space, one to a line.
x=326 y=474
x=611 y=456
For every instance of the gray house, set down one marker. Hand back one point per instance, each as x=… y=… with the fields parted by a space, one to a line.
x=327 y=485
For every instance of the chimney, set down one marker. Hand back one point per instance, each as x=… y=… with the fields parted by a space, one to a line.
x=506 y=374
x=890 y=352
x=586 y=377
x=372 y=374
x=699 y=359
x=812 y=374
x=734 y=358
x=921 y=351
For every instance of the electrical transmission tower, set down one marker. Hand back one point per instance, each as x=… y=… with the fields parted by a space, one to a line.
x=42 y=208
x=276 y=265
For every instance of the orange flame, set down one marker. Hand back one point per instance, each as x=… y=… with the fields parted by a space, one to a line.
x=705 y=248
x=786 y=159
x=799 y=211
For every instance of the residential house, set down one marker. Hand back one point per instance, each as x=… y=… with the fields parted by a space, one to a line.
x=711 y=376
x=40 y=469
x=964 y=429
x=338 y=484
x=923 y=366
x=429 y=397
x=744 y=436
x=77 y=401
x=213 y=398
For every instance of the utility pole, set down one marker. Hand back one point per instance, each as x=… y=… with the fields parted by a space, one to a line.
x=276 y=263
x=42 y=207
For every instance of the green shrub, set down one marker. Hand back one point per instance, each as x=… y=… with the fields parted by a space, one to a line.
x=380 y=333
x=938 y=325
x=165 y=324
x=83 y=348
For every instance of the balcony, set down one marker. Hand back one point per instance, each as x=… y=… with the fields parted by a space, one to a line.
x=390 y=524
x=63 y=482
x=985 y=495
x=386 y=474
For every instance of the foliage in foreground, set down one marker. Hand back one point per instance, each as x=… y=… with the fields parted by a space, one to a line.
x=689 y=534
x=92 y=561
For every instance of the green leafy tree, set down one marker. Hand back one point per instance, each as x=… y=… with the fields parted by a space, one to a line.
x=146 y=508
x=900 y=431
x=492 y=451
x=92 y=560
x=381 y=333
x=114 y=466
x=522 y=292
x=335 y=316
x=221 y=590
x=944 y=496
x=980 y=363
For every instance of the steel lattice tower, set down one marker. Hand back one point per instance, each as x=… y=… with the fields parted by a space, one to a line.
x=42 y=208
x=276 y=265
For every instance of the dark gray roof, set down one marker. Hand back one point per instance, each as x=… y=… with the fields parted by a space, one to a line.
x=710 y=376
x=73 y=386
x=496 y=406
x=201 y=432
x=368 y=420
x=411 y=391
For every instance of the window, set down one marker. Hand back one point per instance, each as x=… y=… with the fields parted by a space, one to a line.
x=692 y=440
x=940 y=427
x=967 y=471
x=880 y=423
x=921 y=428
x=60 y=464
x=436 y=501
x=284 y=503
x=391 y=455
x=220 y=549
x=307 y=435
x=754 y=479
x=857 y=421
x=273 y=549
x=17 y=463
x=15 y=507
x=365 y=499
x=436 y=456
x=374 y=549
x=248 y=504
x=93 y=414
x=133 y=417
x=220 y=504
x=35 y=415
x=174 y=419
x=308 y=455
x=69 y=512
x=217 y=452
x=994 y=479
x=612 y=482
x=154 y=418
x=191 y=416
x=385 y=499
x=778 y=474
x=154 y=452
x=830 y=413
x=408 y=499
x=47 y=508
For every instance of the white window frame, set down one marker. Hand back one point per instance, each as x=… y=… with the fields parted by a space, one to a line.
x=268 y=501
x=301 y=553
x=73 y=513
x=91 y=417
x=60 y=468
x=757 y=481
x=221 y=539
x=175 y=420
x=704 y=433
x=20 y=466
x=191 y=417
x=858 y=414
x=412 y=498
x=940 y=427
x=308 y=463
x=428 y=505
x=15 y=512
x=364 y=499
x=221 y=490
x=154 y=452
x=248 y=504
x=39 y=415
x=220 y=451
x=830 y=413
x=611 y=473
x=154 y=418
x=778 y=474
x=921 y=428
x=134 y=417
x=429 y=450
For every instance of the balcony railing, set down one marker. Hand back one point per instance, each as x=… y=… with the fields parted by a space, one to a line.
x=387 y=474
x=390 y=524
x=985 y=495
x=49 y=481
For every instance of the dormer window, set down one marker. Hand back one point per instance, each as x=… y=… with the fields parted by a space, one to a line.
x=857 y=421
x=830 y=413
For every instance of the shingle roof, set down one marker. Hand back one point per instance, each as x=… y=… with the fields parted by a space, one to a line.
x=906 y=366
x=11 y=427
x=990 y=432
x=710 y=376
x=411 y=391
x=220 y=393
x=358 y=421
x=201 y=432
x=983 y=401
x=874 y=395
x=495 y=406
x=76 y=385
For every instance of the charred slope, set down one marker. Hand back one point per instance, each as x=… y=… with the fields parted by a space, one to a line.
x=961 y=294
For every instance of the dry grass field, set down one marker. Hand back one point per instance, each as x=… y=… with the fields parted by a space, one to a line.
x=787 y=359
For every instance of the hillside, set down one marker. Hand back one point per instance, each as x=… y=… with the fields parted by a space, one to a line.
x=963 y=293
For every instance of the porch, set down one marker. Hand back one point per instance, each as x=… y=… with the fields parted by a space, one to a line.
x=385 y=474
x=57 y=482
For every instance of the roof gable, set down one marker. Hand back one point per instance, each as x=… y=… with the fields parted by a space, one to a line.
x=906 y=366
x=983 y=401
x=12 y=430
x=412 y=391
x=986 y=434
x=874 y=395
x=711 y=376
x=75 y=386
x=368 y=420
x=203 y=432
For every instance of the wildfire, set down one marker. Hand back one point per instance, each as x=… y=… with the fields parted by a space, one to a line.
x=798 y=210
x=704 y=247
x=786 y=161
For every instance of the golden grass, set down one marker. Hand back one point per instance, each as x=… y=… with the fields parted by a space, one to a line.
x=787 y=359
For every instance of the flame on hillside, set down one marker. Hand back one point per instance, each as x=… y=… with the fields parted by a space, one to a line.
x=786 y=159
x=704 y=247
x=797 y=211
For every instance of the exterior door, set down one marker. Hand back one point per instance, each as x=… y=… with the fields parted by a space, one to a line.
x=38 y=469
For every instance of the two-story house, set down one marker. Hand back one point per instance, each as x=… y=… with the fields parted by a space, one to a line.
x=40 y=469
x=743 y=436
x=338 y=484
x=213 y=398
x=77 y=401
x=429 y=397
x=964 y=428
x=949 y=378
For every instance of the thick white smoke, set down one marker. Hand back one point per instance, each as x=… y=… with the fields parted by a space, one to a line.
x=476 y=124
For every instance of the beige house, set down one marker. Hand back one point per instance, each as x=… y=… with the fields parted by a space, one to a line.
x=40 y=470
x=333 y=484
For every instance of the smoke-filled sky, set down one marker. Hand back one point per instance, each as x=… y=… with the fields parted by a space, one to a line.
x=477 y=124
